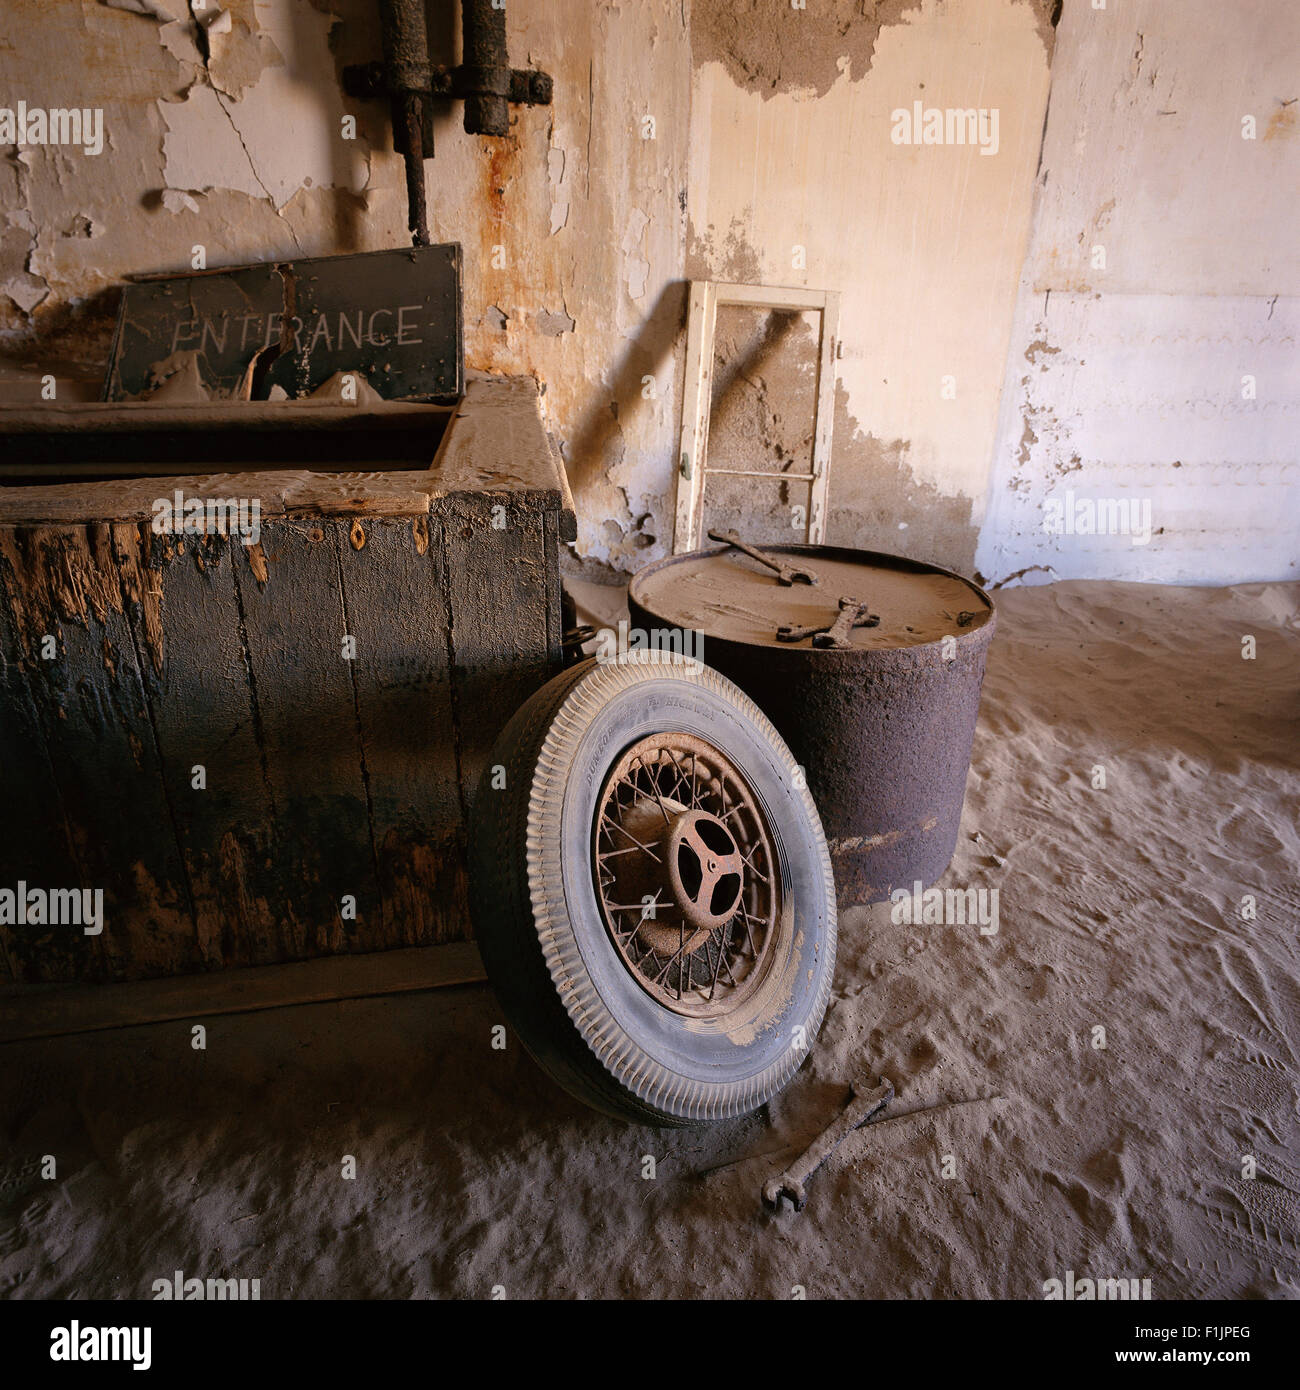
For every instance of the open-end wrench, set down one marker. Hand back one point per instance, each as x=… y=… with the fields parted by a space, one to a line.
x=791 y=1184
x=853 y=613
x=787 y=574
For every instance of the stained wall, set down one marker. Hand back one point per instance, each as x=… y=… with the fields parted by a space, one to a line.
x=1153 y=377
x=685 y=139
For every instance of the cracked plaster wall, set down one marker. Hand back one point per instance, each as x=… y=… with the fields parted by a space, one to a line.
x=1124 y=382
x=225 y=130
x=578 y=231
x=791 y=148
x=196 y=152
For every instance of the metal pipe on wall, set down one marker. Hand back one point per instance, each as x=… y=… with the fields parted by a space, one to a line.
x=408 y=78
x=484 y=80
x=485 y=67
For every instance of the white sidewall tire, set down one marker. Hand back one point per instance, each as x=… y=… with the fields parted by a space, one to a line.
x=600 y=1033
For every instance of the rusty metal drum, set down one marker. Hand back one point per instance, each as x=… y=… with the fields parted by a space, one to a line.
x=869 y=665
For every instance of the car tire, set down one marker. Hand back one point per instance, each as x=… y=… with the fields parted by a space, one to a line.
x=655 y=775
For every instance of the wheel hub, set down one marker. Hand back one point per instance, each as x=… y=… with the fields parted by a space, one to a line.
x=685 y=874
x=704 y=869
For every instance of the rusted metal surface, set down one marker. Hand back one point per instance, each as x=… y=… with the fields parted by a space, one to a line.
x=793 y=1183
x=407 y=117
x=883 y=732
x=485 y=81
x=405 y=39
x=836 y=633
x=485 y=71
x=407 y=79
x=685 y=874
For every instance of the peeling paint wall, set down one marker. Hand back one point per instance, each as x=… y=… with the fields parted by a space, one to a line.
x=195 y=153
x=753 y=141
x=229 y=134
x=796 y=179
x=1153 y=360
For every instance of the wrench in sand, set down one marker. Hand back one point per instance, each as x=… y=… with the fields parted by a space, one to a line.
x=866 y=1102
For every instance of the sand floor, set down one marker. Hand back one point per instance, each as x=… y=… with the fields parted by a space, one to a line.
x=1119 y=909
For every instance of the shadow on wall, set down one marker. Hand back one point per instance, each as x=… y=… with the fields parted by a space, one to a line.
x=876 y=501
x=73 y=339
x=587 y=453
x=348 y=206
x=872 y=484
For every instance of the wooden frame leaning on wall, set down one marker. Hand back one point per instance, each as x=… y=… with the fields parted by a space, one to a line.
x=692 y=462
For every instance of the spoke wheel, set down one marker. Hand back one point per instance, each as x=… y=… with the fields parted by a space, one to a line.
x=652 y=892
x=683 y=866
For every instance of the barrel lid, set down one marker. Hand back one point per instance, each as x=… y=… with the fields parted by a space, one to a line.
x=730 y=596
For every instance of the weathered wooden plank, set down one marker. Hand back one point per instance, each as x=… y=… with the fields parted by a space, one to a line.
x=701 y=321
x=50 y=1012
x=294 y=630
x=132 y=499
x=325 y=777
x=498 y=591
x=205 y=720
x=297 y=492
x=394 y=580
x=552 y=523
x=73 y=582
x=495 y=440
x=136 y=417
x=34 y=844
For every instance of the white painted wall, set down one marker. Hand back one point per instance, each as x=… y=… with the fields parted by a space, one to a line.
x=924 y=243
x=1129 y=383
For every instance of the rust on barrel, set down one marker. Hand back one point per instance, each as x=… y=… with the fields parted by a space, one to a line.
x=882 y=724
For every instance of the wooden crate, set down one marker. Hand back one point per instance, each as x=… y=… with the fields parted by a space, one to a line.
x=130 y=659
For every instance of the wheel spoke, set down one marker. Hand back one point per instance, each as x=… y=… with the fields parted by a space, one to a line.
x=751 y=867
x=614 y=825
x=717 y=965
x=689 y=955
x=654 y=786
x=748 y=933
x=679 y=775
